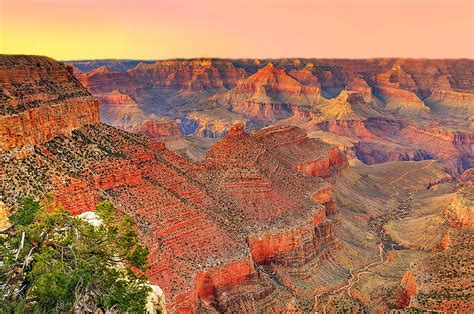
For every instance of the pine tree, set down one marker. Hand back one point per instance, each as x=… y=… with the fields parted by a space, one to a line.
x=51 y=261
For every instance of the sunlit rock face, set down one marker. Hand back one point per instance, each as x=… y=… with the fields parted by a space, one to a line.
x=389 y=109
x=4 y=221
x=40 y=99
x=460 y=211
x=215 y=228
x=270 y=220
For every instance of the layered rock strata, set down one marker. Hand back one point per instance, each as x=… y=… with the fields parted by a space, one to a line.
x=223 y=233
x=208 y=95
x=209 y=225
x=40 y=99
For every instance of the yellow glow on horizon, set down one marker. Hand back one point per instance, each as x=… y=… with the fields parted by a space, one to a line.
x=149 y=29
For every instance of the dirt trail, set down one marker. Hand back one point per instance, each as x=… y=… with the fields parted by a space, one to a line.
x=355 y=275
x=377 y=228
x=414 y=170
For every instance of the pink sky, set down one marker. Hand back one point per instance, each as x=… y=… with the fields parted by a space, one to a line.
x=156 y=29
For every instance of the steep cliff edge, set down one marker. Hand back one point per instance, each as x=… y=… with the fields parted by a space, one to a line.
x=460 y=211
x=40 y=99
x=309 y=156
x=209 y=225
x=242 y=220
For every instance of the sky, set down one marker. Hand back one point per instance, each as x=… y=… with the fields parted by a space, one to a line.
x=162 y=29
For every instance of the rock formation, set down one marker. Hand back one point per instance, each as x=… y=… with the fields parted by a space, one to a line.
x=120 y=110
x=406 y=289
x=424 y=97
x=450 y=102
x=269 y=220
x=380 y=140
x=243 y=219
x=210 y=123
x=395 y=87
x=40 y=99
x=460 y=211
x=360 y=86
x=4 y=222
x=309 y=156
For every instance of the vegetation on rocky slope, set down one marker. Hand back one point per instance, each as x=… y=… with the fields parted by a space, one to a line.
x=52 y=262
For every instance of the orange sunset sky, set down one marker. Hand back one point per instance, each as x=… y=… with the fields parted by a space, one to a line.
x=158 y=29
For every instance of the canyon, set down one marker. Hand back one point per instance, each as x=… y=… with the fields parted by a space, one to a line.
x=260 y=186
x=207 y=245
x=384 y=109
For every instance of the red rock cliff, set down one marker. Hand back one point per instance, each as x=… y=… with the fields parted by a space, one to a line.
x=40 y=100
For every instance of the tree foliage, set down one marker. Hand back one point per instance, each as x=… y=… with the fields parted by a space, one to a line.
x=51 y=261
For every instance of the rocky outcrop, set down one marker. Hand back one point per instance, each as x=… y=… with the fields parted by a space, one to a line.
x=265 y=111
x=210 y=123
x=450 y=102
x=268 y=94
x=309 y=156
x=120 y=110
x=406 y=289
x=326 y=167
x=4 y=221
x=102 y=80
x=460 y=212
x=452 y=148
x=156 y=301
x=340 y=107
x=40 y=99
x=306 y=77
x=444 y=243
x=164 y=130
x=214 y=228
x=273 y=80
x=467 y=175
x=192 y=75
x=348 y=128
x=360 y=86
x=401 y=101
x=294 y=246
x=397 y=89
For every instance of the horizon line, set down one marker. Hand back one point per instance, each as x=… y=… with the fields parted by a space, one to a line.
x=238 y=58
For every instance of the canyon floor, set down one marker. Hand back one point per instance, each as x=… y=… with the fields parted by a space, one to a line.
x=402 y=216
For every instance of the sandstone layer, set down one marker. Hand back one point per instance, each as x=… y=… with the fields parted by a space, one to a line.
x=236 y=232
x=40 y=99
x=209 y=225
